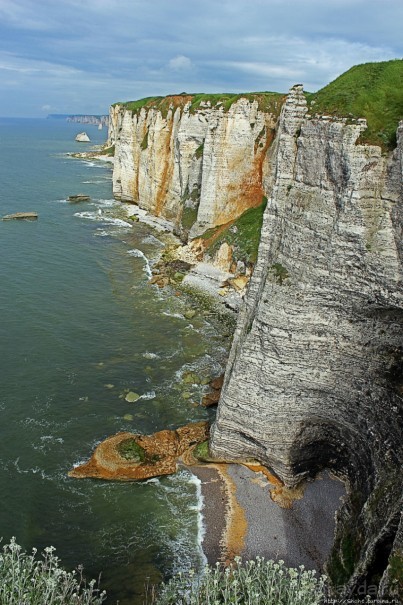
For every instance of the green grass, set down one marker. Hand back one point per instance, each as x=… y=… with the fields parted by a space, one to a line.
x=110 y=151
x=267 y=101
x=201 y=451
x=130 y=450
x=373 y=91
x=243 y=234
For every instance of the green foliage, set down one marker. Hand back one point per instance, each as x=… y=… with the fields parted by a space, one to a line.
x=243 y=234
x=280 y=273
x=144 y=142
x=373 y=91
x=199 y=151
x=267 y=101
x=256 y=582
x=189 y=216
x=396 y=568
x=201 y=451
x=131 y=450
x=110 y=151
x=26 y=580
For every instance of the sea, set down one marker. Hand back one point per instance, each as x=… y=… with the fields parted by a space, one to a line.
x=80 y=327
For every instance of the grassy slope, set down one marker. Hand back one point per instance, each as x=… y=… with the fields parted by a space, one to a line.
x=373 y=91
x=244 y=237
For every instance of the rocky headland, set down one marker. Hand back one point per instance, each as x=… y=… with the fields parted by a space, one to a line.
x=298 y=201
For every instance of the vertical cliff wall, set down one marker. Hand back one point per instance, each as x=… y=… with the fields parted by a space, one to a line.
x=197 y=166
x=315 y=376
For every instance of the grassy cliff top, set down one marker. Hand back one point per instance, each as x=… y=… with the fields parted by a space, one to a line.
x=267 y=101
x=373 y=91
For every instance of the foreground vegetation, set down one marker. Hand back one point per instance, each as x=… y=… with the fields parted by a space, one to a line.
x=257 y=582
x=28 y=580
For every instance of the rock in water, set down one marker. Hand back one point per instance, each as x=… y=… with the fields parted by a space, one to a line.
x=131 y=397
x=28 y=216
x=80 y=197
x=130 y=457
x=82 y=137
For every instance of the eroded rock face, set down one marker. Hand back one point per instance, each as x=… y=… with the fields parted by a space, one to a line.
x=129 y=457
x=315 y=373
x=198 y=169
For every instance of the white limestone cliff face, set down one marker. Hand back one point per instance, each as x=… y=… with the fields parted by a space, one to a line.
x=197 y=169
x=315 y=375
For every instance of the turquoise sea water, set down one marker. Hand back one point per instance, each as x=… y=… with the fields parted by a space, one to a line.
x=80 y=324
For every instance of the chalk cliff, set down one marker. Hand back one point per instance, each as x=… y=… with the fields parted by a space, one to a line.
x=315 y=375
x=198 y=167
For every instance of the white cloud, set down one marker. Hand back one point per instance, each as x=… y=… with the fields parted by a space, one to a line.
x=180 y=63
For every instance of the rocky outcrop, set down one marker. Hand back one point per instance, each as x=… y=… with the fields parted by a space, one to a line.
x=198 y=168
x=82 y=137
x=130 y=457
x=27 y=216
x=315 y=375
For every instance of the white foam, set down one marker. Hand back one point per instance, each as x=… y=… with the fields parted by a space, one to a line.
x=176 y=315
x=149 y=355
x=148 y=395
x=201 y=528
x=139 y=254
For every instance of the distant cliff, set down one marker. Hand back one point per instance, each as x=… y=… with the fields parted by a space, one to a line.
x=81 y=118
x=197 y=162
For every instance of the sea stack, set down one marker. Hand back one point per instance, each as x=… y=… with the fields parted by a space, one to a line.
x=82 y=137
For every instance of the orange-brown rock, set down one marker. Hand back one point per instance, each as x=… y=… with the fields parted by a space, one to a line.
x=158 y=454
x=217 y=383
x=211 y=398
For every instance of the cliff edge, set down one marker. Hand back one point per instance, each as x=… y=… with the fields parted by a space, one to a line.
x=315 y=375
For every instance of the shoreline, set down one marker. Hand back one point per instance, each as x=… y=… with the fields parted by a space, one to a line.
x=241 y=518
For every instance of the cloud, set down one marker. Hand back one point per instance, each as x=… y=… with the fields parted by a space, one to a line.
x=94 y=53
x=180 y=63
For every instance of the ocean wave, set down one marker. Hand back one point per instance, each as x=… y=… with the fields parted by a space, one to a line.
x=99 y=217
x=139 y=254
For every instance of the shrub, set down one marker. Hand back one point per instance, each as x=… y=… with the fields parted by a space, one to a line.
x=255 y=582
x=26 y=580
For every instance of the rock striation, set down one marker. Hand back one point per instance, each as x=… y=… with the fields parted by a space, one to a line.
x=198 y=168
x=315 y=375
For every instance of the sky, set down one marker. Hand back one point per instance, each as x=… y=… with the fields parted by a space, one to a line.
x=80 y=56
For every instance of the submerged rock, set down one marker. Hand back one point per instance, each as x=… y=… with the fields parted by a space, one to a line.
x=131 y=397
x=28 y=216
x=130 y=457
x=80 y=197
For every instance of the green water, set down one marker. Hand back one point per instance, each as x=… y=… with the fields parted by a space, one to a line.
x=80 y=326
